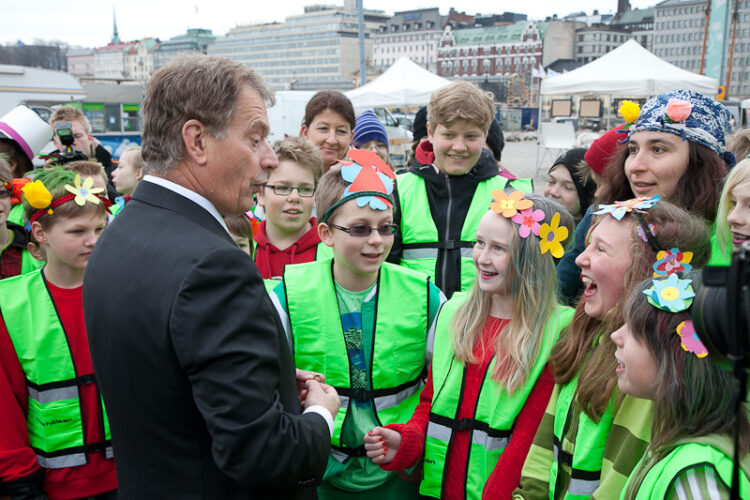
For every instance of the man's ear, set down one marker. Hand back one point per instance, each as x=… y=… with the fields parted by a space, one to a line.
x=38 y=232
x=194 y=136
x=324 y=231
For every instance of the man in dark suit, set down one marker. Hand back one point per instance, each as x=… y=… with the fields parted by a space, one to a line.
x=197 y=377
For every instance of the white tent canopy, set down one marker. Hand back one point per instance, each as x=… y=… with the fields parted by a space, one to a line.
x=629 y=70
x=403 y=84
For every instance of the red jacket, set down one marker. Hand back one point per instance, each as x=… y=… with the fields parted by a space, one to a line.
x=17 y=459
x=507 y=473
x=271 y=261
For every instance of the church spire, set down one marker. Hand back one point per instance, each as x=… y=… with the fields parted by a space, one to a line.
x=115 y=36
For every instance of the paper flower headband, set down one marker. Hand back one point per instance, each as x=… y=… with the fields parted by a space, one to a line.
x=39 y=197
x=371 y=182
x=629 y=110
x=513 y=206
x=618 y=209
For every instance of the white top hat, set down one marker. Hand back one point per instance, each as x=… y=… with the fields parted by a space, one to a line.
x=27 y=129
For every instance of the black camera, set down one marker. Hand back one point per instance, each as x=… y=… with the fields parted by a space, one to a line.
x=721 y=310
x=64 y=132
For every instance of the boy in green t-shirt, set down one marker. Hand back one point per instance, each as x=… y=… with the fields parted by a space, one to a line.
x=369 y=327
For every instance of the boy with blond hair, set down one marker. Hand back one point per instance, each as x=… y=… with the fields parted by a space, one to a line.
x=440 y=202
x=348 y=319
x=289 y=234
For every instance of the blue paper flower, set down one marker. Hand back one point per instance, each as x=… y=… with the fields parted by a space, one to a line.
x=672 y=294
x=618 y=209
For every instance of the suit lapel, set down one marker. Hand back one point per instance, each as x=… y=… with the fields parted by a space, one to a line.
x=154 y=194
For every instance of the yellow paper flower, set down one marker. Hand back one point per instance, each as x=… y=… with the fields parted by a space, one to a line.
x=629 y=111
x=37 y=195
x=509 y=205
x=551 y=237
x=84 y=192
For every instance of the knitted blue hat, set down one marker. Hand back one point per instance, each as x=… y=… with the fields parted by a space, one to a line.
x=368 y=128
x=690 y=115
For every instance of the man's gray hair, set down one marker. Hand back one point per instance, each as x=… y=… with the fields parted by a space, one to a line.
x=192 y=87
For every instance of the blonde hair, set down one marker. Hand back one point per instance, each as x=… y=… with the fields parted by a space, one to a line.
x=531 y=280
x=740 y=174
x=69 y=114
x=461 y=101
x=88 y=169
x=739 y=143
x=302 y=152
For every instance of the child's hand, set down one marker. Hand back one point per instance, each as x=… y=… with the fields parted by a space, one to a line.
x=381 y=445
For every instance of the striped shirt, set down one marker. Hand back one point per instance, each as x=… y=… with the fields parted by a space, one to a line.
x=699 y=482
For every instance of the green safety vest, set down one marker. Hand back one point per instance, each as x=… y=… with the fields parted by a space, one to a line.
x=29 y=263
x=655 y=481
x=54 y=419
x=16 y=214
x=496 y=410
x=419 y=236
x=397 y=366
x=322 y=252
x=585 y=461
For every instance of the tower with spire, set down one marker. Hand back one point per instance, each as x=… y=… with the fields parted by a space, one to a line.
x=115 y=36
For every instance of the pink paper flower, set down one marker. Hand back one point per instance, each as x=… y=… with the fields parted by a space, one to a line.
x=678 y=110
x=529 y=221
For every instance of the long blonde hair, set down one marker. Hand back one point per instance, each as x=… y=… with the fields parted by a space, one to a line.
x=739 y=175
x=531 y=280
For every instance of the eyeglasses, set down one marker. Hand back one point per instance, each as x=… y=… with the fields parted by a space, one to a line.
x=304 y=191
x=361 y=231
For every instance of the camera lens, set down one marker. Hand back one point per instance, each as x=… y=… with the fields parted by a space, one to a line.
x=712 y=323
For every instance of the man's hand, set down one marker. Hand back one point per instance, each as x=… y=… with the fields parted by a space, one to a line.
x=323 y=395
x=302 y=377
x=382 y=444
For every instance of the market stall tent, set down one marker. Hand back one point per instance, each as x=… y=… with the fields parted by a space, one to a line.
x=628 y=71
x=403 y=84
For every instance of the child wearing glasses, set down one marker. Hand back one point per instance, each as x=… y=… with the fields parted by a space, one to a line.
x=289 y=235
x=362 y=323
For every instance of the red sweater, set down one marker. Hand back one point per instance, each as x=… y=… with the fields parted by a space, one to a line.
x=17 y=459
x=271 y=261
x=507 y=473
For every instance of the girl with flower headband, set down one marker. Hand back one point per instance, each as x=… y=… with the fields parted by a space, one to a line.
x=592 y=436
x=661 y=358
x=55 y=432
x=488 y=385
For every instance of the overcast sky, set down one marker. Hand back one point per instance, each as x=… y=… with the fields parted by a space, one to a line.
x=88 y=23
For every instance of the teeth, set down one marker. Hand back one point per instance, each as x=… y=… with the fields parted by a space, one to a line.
x=586 y=281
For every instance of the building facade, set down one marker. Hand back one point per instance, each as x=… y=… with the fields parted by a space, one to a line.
x=640 y=24
x=414 y=34
x=315 y=50
x=494 y=54
x=194 y=40
x=139 y=59
x=81 y=63
x=109 y=61
x=594 y=41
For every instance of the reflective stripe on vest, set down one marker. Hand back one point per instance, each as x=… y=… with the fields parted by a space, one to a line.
x=54 y=419
x=656 y=480
x=585 y=461
x=397 y=366
x=495 y=412
x=419 y=236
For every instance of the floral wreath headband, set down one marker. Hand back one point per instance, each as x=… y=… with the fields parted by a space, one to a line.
x=639 y=208
x=370 y=182
x=39 y=197
x=516 y=208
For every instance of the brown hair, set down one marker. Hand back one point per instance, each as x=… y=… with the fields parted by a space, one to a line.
x=192 y=87
x=55 y=180
x=87 y=168
x=330 y=190
x=694 y=396
x=239 y=225
x=69 y=114
x=739 y=143
x=580 y=348
x=698 y=190
x=333 y=100
x=461 y=101
x=301 y=152
x=6 y=173
x=19 y=162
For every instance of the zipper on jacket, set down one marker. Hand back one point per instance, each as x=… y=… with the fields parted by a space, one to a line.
x=444 y=271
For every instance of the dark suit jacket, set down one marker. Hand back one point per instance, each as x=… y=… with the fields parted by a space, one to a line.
x=195 y=371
